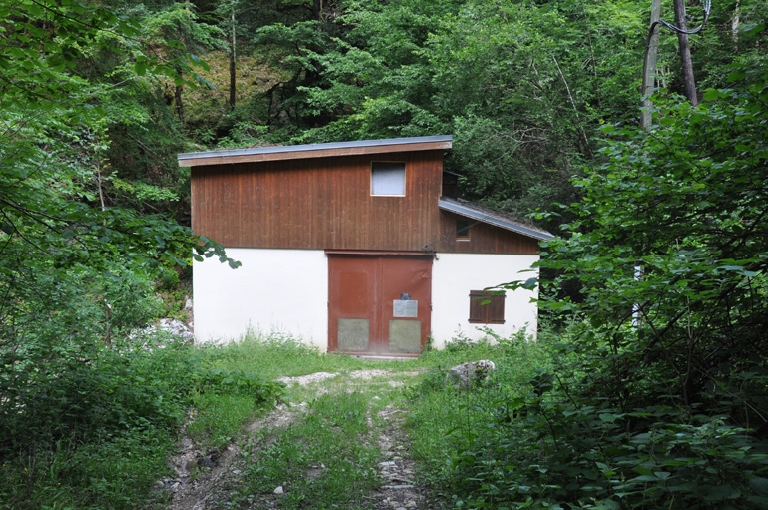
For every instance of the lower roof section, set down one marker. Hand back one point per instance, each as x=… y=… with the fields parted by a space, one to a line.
x=484 y=215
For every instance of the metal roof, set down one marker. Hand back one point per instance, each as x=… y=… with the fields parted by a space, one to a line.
x=494 y=218
x=315 y=150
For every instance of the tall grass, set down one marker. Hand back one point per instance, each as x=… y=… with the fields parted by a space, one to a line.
x=445 y=421
x=277 y=355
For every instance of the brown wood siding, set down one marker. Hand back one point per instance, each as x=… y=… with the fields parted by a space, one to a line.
x=322 y=203
x=483 y=238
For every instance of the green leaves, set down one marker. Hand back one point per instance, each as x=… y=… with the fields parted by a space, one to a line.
x=76 y=272
x=670 y=259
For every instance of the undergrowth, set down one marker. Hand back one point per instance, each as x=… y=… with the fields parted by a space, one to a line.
x=442 y=417
x=93 y=430
x=538 y=435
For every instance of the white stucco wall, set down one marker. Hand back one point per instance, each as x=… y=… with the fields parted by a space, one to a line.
x=454 y=275
x=274 y=290
x=287 y=291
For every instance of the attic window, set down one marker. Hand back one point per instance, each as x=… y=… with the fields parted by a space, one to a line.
x=388 y=179
x=486 y=307
x=462 y=230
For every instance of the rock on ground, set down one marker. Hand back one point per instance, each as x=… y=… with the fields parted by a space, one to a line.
x=465 y=375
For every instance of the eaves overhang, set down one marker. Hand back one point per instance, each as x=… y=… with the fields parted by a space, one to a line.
x=480 y=214
x=319 y=150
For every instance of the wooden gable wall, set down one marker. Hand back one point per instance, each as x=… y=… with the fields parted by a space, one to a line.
x=319 y=203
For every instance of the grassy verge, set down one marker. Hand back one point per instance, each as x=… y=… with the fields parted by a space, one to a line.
x=450 y=427
x=95 y=432
x=97 y=435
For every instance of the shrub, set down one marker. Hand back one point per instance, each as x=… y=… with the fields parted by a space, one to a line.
x=94 y=431
x=553 y=448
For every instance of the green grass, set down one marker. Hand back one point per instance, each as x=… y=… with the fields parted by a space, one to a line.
x=219 y=418
x=326 y=456
x=278 y=355
x=113 y=473
x=443 y=420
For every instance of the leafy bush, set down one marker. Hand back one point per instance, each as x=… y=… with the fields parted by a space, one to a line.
x=94 y=432
x=95 y=429
x=552 y=449
x=659 y=398
x=553 y=437
x=109 y=390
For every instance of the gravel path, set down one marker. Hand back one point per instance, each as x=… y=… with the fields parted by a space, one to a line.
x=194 y=489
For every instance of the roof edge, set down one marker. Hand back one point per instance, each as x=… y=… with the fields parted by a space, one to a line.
x=283 y=152
x=456 y=207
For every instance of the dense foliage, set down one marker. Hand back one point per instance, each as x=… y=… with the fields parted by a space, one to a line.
x=657 y=396
x=670 y=250
x=546 y=438
x=78 y=273
x=669 y=394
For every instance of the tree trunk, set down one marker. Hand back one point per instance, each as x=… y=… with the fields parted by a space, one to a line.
x=179 y=104
x=179 y=88
x=649 y=63
x=232 y=67
x=685 y=53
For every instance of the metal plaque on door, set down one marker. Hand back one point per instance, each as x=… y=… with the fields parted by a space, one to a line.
x=405 y=308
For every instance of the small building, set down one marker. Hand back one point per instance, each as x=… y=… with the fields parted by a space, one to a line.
x=353 y=247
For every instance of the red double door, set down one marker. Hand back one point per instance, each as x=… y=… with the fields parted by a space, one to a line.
x=379 y=304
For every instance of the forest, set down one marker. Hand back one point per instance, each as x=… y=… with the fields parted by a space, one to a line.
x=655 y=290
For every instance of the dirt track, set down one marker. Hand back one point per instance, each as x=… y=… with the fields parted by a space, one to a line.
x=205 y=480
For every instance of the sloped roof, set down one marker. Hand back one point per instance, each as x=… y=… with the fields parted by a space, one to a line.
x=491 y=217
x=318 y=150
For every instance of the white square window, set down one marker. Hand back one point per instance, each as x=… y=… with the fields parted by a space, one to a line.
x=388 y=179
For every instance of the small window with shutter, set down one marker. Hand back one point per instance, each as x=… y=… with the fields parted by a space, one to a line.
x=486 y=306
